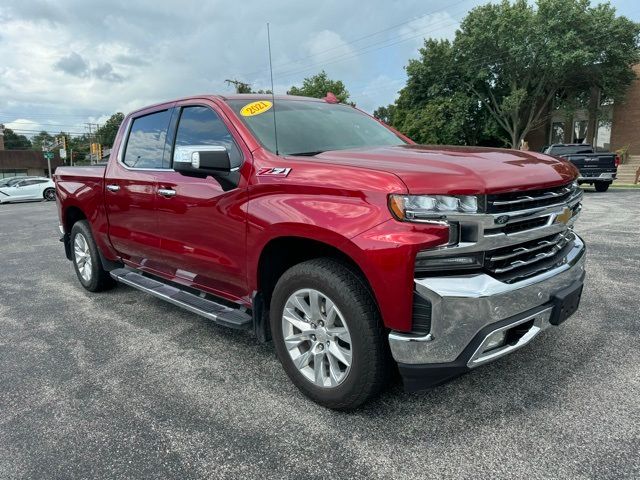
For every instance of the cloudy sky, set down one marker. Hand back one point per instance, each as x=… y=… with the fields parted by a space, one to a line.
x=65 y=63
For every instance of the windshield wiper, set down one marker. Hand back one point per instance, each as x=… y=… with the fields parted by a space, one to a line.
x=307 y=154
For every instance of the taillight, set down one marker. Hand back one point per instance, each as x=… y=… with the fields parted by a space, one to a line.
x=617 y=161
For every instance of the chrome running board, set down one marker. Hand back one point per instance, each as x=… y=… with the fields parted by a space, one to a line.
x=220 y=314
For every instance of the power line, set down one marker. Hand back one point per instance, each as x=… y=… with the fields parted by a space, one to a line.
x=351 y=42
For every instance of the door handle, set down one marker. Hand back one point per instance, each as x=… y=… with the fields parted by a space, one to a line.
x=113 y=188
x=166 y=192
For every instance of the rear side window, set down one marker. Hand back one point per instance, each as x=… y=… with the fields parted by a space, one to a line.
x=147 y=140
x=203 y=126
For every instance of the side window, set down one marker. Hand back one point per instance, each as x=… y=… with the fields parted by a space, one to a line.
x=203 y=126
x=147 y=140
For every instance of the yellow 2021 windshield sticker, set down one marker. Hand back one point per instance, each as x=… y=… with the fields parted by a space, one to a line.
x=255 y=108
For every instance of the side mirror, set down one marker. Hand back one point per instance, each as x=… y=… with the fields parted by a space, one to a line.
x=201 y=159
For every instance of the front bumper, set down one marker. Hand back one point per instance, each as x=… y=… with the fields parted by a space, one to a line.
x=466 y=309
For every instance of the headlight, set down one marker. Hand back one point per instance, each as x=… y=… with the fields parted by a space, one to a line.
x=426 y=207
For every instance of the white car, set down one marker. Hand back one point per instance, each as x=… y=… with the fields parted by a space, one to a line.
x=28 y=189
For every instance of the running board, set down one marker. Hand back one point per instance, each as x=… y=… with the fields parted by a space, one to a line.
x=220 y=314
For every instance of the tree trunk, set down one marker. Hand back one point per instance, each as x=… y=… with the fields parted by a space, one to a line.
x=594 y=103
x=568 y=129
x=515 y=140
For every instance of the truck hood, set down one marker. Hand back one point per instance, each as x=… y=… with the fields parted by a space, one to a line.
x=458 y=170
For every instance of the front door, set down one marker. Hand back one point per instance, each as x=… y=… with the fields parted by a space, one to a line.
x=131 y=188
x=202 y=220
x=24 y=190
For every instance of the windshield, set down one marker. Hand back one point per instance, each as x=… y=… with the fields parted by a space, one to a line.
x=10 y=182
x=569 y=149
x=309 y=128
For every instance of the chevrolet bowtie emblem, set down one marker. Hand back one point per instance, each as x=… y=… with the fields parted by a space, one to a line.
x=564 y=216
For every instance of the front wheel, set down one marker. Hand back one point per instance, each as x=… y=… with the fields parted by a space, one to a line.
x=86 y=259
x=602 y=186
x=49 y=194
x=328 y=334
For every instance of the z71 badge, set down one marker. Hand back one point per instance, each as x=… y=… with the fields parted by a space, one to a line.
x=274 y=172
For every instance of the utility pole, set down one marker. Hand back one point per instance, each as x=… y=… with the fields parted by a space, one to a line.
x=48 y=154
x=241 y=87
x=91 y=138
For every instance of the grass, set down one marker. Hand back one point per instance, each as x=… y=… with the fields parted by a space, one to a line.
x=625 y=185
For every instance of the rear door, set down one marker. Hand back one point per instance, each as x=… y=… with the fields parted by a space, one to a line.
x=131 y=187
x=202 y=221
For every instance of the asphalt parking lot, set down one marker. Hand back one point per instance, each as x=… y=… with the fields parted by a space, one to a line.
x=121 y=385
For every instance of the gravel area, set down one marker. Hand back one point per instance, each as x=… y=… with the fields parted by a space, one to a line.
x=122 y=385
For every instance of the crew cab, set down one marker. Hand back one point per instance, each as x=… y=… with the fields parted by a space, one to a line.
x=596 y=168
x=313 y=225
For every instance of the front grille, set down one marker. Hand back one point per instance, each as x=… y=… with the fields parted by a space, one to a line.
x=522 y=226
x=523 y=260
x=511 y=202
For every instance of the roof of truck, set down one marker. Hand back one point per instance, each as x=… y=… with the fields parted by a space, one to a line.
x=231 y=96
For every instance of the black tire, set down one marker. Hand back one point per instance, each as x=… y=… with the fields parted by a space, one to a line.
x=49 y=194
x=99 y=279
x=371 y=365
x=602 y=186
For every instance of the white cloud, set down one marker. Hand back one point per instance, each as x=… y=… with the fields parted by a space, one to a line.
x=76 y=60
x=439 y=25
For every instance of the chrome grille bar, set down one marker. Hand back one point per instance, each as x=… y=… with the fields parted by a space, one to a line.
x=507 y=202
x=528 y=198
x=517 y=251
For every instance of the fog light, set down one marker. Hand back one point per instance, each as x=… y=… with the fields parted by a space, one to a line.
x=495 y=340
x=425 y=264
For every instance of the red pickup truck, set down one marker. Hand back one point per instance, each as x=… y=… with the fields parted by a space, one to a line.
x=356 y=251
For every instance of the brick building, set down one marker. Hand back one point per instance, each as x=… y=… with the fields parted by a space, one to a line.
x=15 y=163
x=617 y=125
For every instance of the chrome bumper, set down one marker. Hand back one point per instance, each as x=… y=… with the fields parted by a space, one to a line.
x=463 y=305
x=602 y=177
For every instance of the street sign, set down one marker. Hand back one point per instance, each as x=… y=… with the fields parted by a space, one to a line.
x=48 y=155
x=63 y=153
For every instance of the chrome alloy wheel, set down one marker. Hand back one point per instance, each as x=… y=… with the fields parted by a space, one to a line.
x=82 y=256
x=317 y=338
x=49 y=194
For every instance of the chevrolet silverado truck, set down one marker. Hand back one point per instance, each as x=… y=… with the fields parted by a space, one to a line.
x=355 y=251
x=596 y=168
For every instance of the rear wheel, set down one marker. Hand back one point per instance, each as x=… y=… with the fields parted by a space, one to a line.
x=602 y=186
x=49 y=194
x=86 y=259
x=328 y=334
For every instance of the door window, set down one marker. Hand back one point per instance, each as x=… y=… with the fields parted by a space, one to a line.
x=202 y=126
x=147 y=140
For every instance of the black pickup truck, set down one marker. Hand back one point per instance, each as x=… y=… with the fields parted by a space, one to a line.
x=596 y=168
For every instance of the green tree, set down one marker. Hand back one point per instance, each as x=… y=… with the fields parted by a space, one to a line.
x=497 y=80
x=13 y=141
x=385 y=114
x=106 y=134
x=80 y=147
x=435 y=107
x=319 y=85
x=516 y=57
x=42 y=139
x=241 y=87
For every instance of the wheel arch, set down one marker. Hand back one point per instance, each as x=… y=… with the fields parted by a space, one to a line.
x=281 y=253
